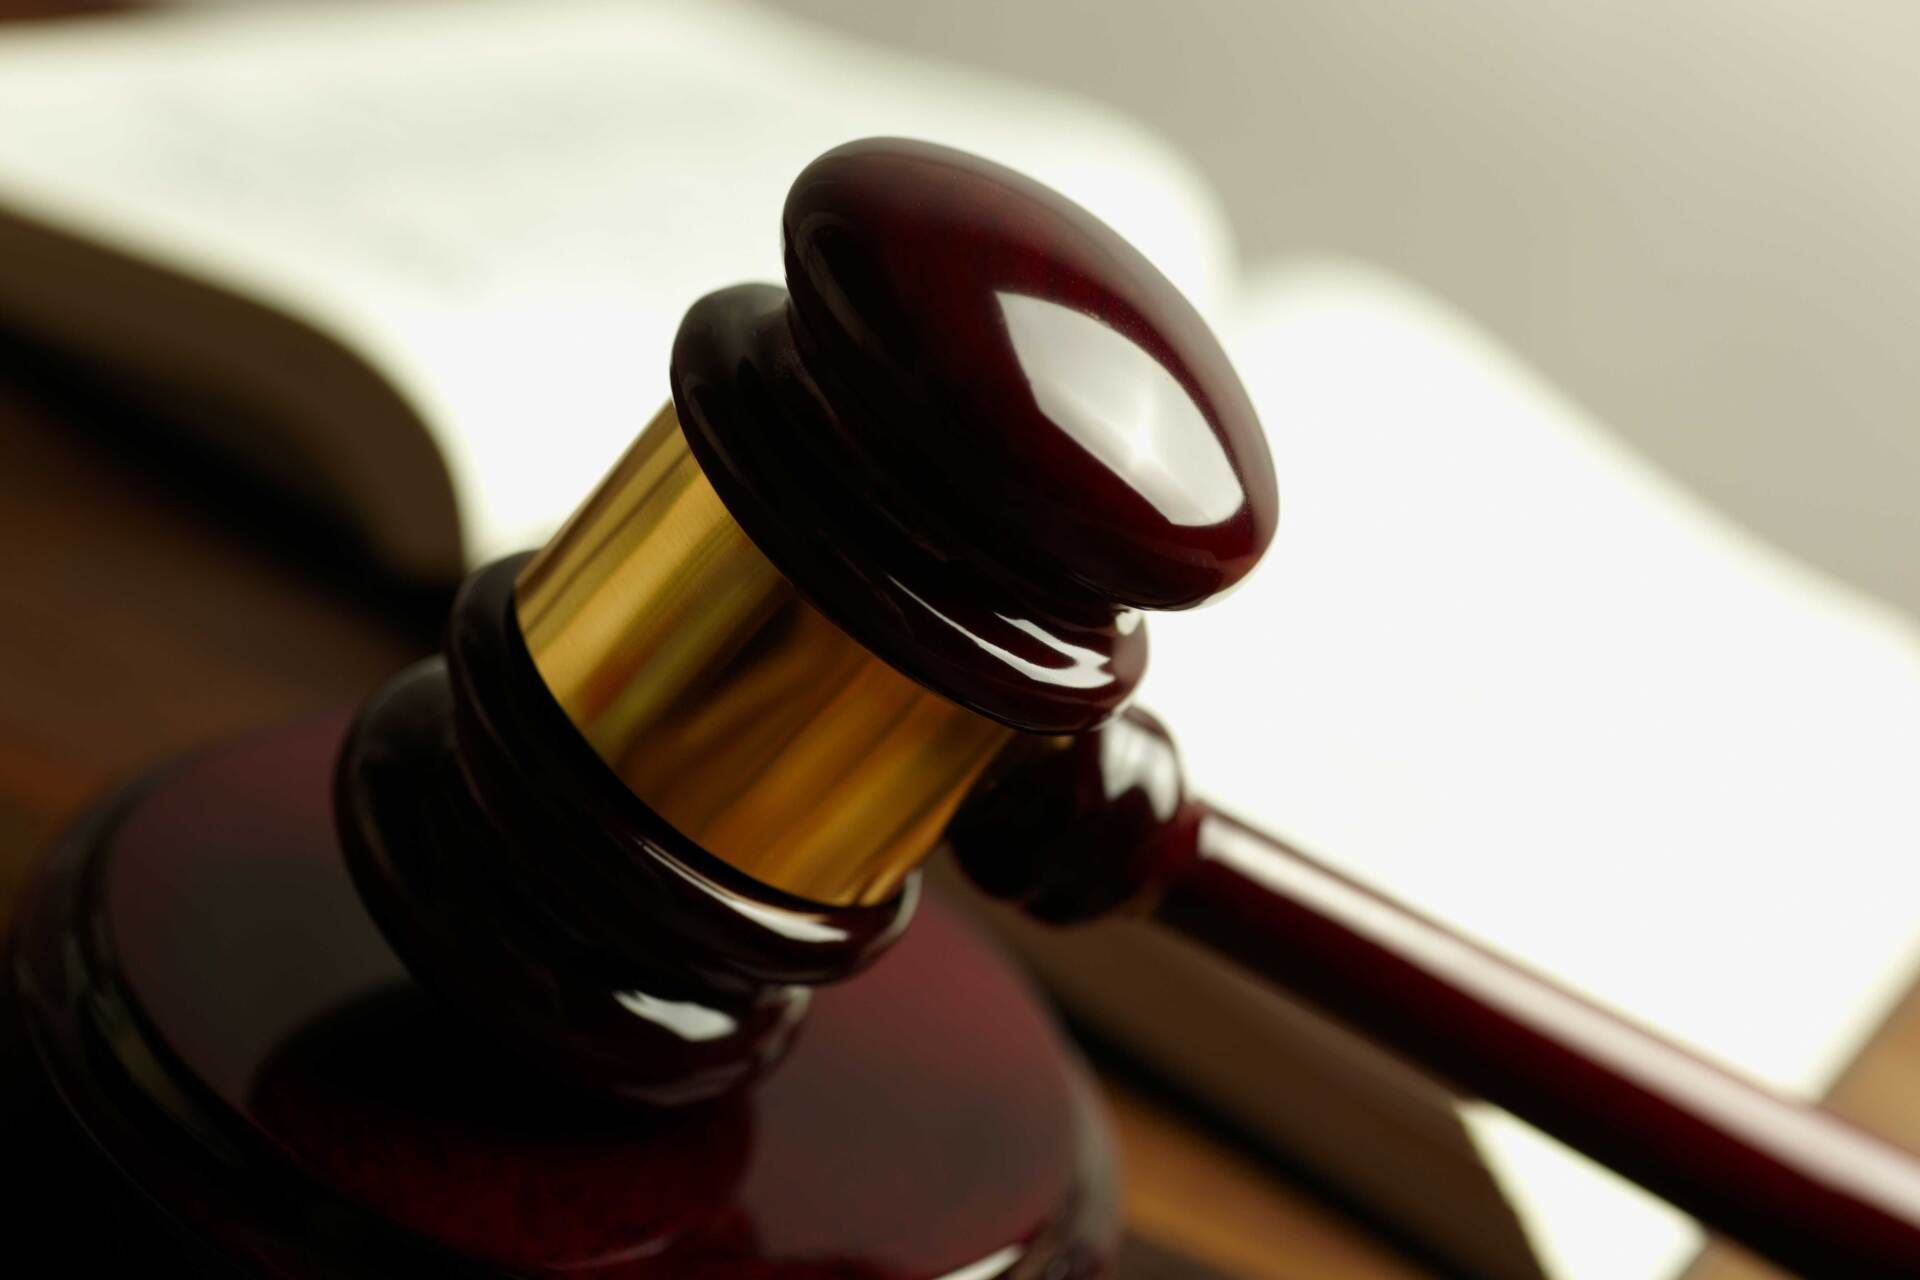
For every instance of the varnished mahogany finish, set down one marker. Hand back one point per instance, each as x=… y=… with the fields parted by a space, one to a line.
x=1103 y=823
x=979 y=434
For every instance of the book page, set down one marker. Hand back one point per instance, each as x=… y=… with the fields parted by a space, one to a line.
x=506 y=208
x=1501 y=668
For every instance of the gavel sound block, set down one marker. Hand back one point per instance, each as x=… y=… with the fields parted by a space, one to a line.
x=584 y=948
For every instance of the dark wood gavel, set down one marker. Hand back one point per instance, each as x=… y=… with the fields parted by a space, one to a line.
x=568 y=956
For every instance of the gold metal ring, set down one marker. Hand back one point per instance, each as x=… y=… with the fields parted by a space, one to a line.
x=734 y=708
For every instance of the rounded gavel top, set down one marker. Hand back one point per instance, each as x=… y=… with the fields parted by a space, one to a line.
x=978 y=430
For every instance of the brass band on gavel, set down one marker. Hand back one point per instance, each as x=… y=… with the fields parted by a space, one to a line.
x=730 y=705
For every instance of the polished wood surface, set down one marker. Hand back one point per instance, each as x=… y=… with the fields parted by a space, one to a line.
x=1078 y=428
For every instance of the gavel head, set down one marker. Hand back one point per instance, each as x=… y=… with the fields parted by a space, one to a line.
x=898 y=514
x=901 y=509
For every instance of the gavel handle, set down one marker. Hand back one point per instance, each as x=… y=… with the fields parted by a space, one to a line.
x=1076 y=828
x=1788 y=1180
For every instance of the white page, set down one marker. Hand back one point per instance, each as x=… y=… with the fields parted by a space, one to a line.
x=507 y=207
x=1504 y=670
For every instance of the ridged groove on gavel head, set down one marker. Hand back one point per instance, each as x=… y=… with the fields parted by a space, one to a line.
x=979 y=433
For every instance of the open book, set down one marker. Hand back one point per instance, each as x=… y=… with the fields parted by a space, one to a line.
x=423 y=263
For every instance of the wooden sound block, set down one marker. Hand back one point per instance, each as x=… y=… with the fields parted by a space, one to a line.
x=228 y=1032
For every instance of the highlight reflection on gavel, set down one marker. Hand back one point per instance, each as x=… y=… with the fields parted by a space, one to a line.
x=872 y=582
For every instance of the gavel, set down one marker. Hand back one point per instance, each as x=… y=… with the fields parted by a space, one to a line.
x=585 y=947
